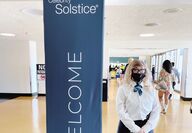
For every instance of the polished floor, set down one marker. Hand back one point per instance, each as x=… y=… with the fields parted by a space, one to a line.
x=27 y=115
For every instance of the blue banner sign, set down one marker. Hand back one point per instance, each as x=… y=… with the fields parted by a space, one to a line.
x=73 y=57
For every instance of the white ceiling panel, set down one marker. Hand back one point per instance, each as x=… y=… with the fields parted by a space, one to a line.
x=136 y=52
x=25 y=26
x=146 y=2
x=124 y=23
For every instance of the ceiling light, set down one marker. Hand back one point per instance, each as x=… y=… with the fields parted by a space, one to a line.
x=35 y=12
x=147 y=35
x=7 y=34
x=172 y=10
x=151 y=24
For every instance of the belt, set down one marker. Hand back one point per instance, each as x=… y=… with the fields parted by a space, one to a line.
x=141 y=123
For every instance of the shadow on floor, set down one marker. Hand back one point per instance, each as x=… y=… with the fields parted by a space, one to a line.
x=5 y=97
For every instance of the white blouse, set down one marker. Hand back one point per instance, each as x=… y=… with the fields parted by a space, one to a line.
x=131 y=107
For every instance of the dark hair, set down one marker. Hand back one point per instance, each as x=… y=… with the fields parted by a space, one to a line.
x=167 y=66
x=173 y=64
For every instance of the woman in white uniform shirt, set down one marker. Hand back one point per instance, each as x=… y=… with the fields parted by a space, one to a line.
x=137 y=103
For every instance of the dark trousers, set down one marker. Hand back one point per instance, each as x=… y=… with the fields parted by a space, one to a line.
x=173 y=85
x=123 y=129
x=153 y=76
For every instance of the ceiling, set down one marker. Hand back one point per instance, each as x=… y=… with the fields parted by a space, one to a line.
x=13 y=20
x=136 y=52
x=146 y=2
x=124 y=20
x=125 y=23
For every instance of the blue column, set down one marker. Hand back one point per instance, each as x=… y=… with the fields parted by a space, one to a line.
x=73 y=58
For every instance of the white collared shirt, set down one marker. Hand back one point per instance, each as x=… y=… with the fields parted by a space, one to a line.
x=131 y=107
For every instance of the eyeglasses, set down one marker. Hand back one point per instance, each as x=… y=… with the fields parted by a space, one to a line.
x=134 y=70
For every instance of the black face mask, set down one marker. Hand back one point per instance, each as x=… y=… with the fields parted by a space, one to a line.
x=138 y=77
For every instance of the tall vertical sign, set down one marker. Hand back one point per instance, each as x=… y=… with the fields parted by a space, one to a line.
x=73 y=57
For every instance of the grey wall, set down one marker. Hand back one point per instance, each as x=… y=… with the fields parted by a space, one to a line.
x=14 y=67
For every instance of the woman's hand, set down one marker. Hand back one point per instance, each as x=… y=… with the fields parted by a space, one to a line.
x=141 y=131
